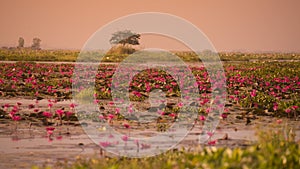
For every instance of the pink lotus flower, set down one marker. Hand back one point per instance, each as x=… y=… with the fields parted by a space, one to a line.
x=101 y=117
x=204 y=101
x=15 y=109
x=130 y=110
x=236 y=92
x=187 y=97
x=50 y=105
x=212 y=142
x=180 y=104
x=137 y=94
x=96 y=101
x=12 y=113
x=275 y=106
x=50 y=128
x=16 y=118
x=160 y=112
x=68 y=113
x=173 y=115
x=148 y=88
x=110 y=116
x=59 y=112
x=47 y=114
x=253 y=93
x=49 y=132
x=6 y=105
x=117 y=110
x=126 y=125
x=49 y=89
x=72 y=105
x=30 y=106
x=125 y=138
x=288 y=110
x=279 y=121
x=105 y=144
x=202 y=118
x=224 y=115
x=59 y=138
x=208 y=110
x=226 y=110
x=210 y=134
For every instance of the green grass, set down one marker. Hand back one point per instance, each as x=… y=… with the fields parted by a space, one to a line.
x=276 y=148
x=119 y=53
x=38 y=55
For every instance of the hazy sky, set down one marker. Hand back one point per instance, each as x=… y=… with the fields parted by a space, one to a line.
x=231 y=25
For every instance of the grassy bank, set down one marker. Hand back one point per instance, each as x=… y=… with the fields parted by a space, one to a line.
x=71 y=56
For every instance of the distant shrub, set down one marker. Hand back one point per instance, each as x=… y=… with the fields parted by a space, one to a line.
x=121 y=49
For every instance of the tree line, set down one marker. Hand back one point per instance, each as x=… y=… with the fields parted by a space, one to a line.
x=36 y=43
x=123 y=38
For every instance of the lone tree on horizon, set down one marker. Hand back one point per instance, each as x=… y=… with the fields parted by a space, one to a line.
x=21 y=42
x=36 y=44
x=125 y=37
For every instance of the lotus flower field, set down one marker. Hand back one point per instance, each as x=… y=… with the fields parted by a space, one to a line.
x=255 y=90
x=265 y=88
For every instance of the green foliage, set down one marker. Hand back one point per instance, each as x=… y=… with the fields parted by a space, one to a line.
x=238 y=56
x=125 y=37
x=274 y=83
x=272 y=151
x=26 y=54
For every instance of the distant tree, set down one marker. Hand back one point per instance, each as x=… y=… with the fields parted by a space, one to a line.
x=125 y=37
x=21 y=42
x=36 y=43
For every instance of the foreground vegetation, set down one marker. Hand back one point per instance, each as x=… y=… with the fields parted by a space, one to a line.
x=276 y=148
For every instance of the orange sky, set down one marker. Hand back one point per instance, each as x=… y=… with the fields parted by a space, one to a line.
x=231 y=25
